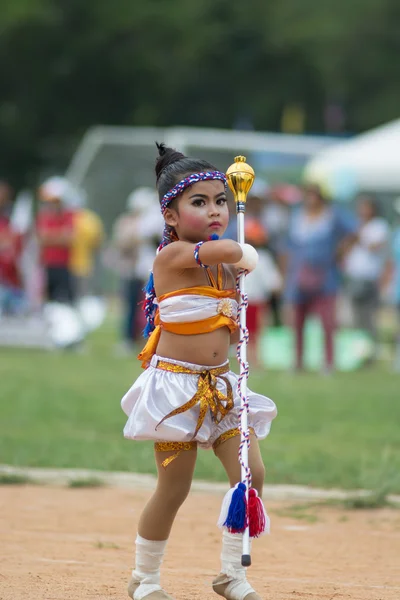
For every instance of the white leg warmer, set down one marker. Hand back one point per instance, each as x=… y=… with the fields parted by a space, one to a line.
x=149 y=556
x=238 y=587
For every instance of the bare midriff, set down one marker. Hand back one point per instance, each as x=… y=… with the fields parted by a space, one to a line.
x=206 y=349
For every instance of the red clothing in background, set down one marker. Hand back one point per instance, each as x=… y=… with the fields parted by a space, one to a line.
x=255 y=314
x=10 y=252
x=55 y=222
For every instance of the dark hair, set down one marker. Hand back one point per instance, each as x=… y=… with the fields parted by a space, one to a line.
x=172 y=166
x=315 y=188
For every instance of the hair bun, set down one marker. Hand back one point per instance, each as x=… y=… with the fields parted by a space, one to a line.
x=166 y=156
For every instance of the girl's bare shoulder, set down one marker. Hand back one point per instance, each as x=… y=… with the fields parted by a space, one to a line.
x=170 y=250
x=173 y=254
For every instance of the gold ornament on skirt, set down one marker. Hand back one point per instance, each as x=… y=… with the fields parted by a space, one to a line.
x=225 y=307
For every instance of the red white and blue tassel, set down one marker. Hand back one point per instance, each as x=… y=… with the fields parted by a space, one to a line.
x=237 y=514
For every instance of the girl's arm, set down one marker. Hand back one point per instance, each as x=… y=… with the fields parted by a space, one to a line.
x=180 y=255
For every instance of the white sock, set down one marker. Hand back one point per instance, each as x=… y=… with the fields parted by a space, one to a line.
x=149 y=556
x=231 y=566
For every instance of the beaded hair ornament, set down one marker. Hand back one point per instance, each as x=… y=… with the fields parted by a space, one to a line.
x=169 y=235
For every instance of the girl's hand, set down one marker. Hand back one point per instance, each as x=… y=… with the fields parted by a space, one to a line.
x=249 y=258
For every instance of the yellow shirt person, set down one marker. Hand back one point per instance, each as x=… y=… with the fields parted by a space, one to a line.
x=88 y=236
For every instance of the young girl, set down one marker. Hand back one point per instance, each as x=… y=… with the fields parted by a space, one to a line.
x=187 y=397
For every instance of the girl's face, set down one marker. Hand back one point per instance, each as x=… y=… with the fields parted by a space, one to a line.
x=201 y=210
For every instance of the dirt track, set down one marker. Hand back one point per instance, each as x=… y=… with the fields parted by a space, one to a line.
x=74 y=544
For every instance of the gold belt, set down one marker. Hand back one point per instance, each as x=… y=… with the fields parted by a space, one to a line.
x=207 y=395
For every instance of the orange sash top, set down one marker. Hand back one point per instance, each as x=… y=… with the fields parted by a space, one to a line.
x=223 y=318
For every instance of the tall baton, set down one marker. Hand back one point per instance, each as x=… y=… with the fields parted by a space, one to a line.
x=240 y=177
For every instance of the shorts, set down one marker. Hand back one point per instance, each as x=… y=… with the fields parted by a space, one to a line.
x=158 y=392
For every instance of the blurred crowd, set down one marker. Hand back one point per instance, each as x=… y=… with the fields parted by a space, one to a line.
x=47 y=254
x=54 y=252
x=312 y=252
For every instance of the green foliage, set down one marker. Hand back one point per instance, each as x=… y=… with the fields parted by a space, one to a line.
x=106 y=545
x=370 y=501
x=381 y=480
x=14 y=479
x=67 y=66
x=88 y=482
x=63 y=410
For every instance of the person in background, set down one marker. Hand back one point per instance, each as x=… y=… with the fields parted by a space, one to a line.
x=364 y=266
x=6 y=201
x=254 y=207
x=316 y=237
x=12 y=299
x=136 y=235
x=87 y=240
x=231 y=230
x=260 y=284
x=257 y=201
x=275 y=218
x=55 y=233
x=396 y=286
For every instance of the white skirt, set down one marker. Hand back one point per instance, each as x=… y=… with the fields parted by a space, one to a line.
x=157 y=392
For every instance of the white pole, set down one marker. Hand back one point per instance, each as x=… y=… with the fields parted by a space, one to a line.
x=242 y=356
x=240 y=177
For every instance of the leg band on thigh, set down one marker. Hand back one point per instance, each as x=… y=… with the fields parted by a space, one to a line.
x=178 y=447
x=227 y=435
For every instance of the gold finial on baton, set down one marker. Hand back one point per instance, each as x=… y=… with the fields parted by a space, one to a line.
x=240 y=177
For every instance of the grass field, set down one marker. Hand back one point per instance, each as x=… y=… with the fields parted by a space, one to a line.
x=62 y=410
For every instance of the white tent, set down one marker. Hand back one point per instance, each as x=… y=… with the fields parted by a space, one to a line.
x=370 y=161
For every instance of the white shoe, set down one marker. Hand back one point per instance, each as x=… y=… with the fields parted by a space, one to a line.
x=158 y=595
x=221 y=585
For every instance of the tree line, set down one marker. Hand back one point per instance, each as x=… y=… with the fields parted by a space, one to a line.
x=314 y=66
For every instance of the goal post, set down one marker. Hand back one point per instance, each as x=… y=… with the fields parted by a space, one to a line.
x=112 y=161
